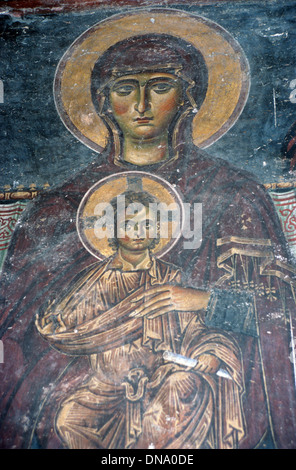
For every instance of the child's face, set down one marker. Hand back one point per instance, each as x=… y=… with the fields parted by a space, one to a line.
x=136 y=233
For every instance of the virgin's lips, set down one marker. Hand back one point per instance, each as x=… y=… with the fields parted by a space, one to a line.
x=143 y=120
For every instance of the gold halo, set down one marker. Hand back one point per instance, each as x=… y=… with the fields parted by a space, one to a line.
x=228 y=72
x=114 y=185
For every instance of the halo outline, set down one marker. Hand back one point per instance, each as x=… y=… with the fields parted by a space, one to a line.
x=151 y=176
x=219 y=30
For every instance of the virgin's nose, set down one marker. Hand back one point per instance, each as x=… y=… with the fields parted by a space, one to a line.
x=143 y=102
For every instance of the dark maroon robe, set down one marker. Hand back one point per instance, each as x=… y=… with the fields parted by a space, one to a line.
x=243 y=250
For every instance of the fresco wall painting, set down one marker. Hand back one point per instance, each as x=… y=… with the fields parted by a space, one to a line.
x=148 y=278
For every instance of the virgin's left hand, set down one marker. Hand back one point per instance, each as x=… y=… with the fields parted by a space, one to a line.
x=166 y=298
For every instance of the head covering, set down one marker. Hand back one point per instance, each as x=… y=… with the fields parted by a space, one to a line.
x=152 y=52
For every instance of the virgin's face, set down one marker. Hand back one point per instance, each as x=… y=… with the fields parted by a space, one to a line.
x=145 y=104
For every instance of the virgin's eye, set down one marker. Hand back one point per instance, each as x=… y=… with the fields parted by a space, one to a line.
x=123 y=90
x=161 y=87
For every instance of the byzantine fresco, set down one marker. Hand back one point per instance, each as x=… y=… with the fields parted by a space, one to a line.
x=148 y=290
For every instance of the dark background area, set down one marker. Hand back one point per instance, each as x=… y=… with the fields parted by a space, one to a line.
x=35 y=146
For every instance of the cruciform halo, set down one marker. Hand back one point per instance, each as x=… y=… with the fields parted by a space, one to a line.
x=112 y=186
x=228 y=72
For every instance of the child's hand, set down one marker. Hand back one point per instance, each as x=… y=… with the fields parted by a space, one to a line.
x=49 y=324
x=167 y=298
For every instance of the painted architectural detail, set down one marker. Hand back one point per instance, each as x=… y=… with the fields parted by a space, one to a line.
x=9 y=215
x=285 y=204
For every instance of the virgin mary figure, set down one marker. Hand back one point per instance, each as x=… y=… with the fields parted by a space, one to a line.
x=148 y=89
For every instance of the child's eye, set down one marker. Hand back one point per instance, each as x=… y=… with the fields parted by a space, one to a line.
x=129 y=226
x=149 y=225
